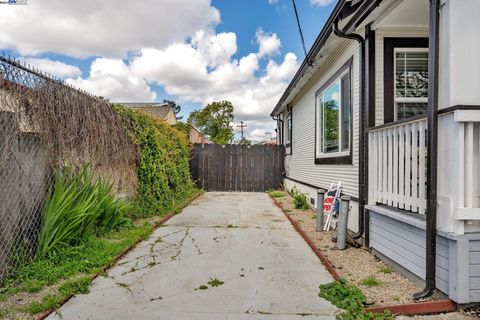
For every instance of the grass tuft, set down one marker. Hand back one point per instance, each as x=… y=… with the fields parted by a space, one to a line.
x=69 y=288
x=277 y=193
x=371 y=281
x=386 y=270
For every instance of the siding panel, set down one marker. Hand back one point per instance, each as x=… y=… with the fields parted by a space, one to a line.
x=405 y=245
x=301 y=164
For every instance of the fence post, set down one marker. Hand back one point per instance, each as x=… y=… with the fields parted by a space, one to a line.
x=342 y=222
x=320 y=199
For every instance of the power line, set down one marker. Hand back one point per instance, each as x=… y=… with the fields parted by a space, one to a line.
x=300 y=30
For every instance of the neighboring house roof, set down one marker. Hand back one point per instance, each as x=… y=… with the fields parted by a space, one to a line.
x=159 y=110
x=200 y=133
x=273 y=141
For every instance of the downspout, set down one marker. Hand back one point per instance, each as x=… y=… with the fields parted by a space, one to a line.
x=279 y=134
x=432 y=136
x=361 y=137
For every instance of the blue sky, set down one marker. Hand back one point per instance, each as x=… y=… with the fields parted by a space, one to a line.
x=190 y=51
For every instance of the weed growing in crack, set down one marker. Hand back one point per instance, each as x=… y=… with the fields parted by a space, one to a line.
x=214 y=282
x=202 y=287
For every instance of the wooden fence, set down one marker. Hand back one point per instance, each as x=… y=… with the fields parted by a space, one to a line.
x=237 y=167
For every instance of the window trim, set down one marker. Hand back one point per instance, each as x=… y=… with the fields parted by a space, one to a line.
x=389 y=45
x=288 y=131
x=289 y=126
x=337 y=157
x=397 y=100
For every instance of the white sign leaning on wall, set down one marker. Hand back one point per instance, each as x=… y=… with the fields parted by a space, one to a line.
x=330 y=206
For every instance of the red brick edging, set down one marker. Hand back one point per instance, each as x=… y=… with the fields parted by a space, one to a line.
x=410 y=309
x=120 y=256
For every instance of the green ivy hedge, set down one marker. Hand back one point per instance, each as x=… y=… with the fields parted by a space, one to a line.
x=163 y=172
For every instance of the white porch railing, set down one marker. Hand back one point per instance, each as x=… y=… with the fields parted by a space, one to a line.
x=397 y=165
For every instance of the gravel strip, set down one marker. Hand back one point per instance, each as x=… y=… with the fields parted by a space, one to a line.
x=357 y=264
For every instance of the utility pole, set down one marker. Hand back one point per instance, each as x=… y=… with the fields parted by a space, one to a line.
x=241 y=126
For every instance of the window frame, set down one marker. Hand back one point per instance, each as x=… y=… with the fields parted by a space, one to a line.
x=389 y=45
x=396 y=99
x=341 y=157
x=289 y=128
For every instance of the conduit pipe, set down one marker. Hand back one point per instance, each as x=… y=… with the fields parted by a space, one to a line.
x=361 y=137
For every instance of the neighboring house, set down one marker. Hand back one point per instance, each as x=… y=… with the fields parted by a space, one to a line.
x=397 y=121
x=272 y=141
x=196 y=136
x=161 y=111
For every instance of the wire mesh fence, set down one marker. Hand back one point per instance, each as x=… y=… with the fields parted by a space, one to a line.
x=45 y=124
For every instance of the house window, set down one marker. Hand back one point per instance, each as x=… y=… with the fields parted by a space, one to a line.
x=333 y=117
x=289 y=127
x=411 y=82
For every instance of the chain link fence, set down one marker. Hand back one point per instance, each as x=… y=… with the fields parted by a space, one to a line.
x=45 y=124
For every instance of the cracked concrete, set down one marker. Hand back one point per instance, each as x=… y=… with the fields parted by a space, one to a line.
x=268 y=270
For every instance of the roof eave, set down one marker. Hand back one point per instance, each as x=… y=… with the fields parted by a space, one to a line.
x=317 y=45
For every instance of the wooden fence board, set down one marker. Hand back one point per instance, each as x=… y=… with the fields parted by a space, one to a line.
x=237 y=167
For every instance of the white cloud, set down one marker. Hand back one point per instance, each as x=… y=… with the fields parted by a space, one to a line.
x=112 y=78
x=186 y=72
x=321 y=3
x=269 y=44
x=56 y=68
x=272 y=1
x=201 y=71
x=102 y=28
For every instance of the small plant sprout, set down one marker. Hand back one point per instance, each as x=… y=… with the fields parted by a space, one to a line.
x=371 y=282
x=299 y=199
x=386 y=270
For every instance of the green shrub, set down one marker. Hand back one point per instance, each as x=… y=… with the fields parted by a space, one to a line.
x=350 y=298
x=164 y=163
x=78 y=204
x=299 y=199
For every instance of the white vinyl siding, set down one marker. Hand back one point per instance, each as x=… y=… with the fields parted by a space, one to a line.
x=301 y=164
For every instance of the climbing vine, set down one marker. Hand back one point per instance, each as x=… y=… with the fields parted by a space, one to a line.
x=163 y=170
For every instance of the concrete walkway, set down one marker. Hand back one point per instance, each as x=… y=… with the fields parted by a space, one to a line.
x=242 y=239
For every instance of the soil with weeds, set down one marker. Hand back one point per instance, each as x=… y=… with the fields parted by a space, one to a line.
x=40 y=286
x=381 y=284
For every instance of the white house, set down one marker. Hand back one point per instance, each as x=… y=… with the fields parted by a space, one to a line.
x=387 y=101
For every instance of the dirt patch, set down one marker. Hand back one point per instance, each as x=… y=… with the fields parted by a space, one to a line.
x=381 y=284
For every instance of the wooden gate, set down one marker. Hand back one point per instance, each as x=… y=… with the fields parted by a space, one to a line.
x=254 y=168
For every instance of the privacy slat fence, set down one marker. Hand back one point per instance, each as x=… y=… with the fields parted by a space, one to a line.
x=254 y=168
x=397 y=165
